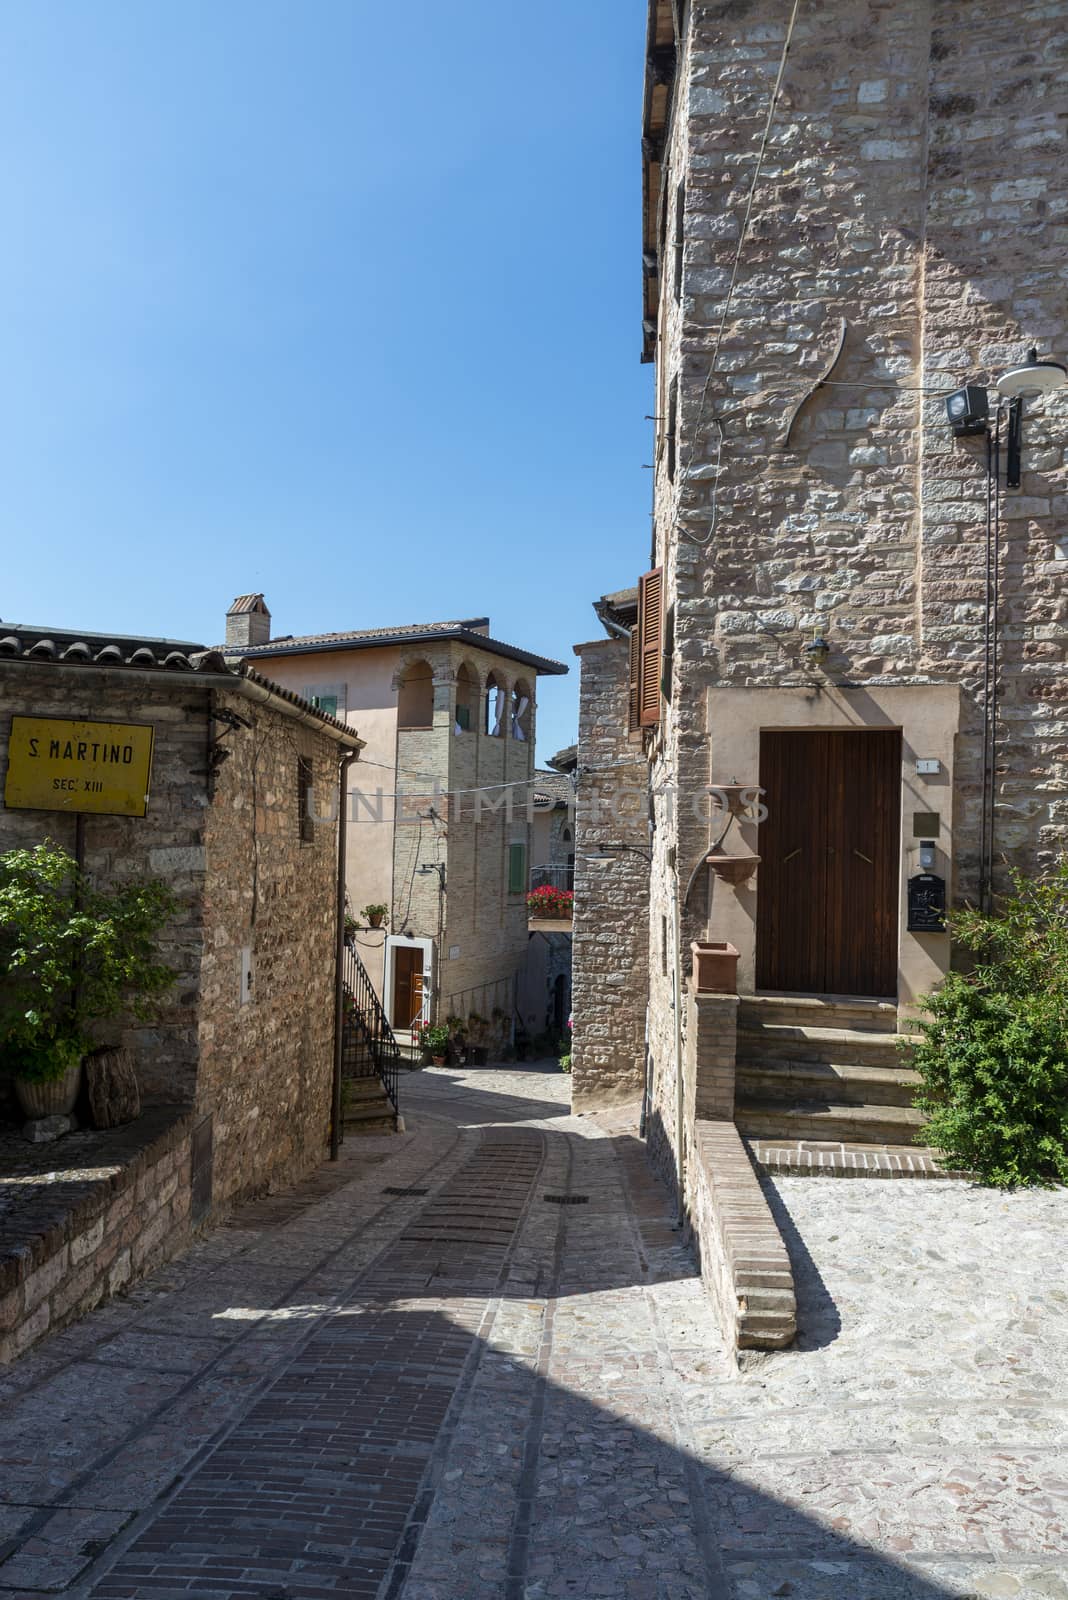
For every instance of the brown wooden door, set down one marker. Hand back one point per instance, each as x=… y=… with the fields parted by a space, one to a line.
x=827 y=902
x=407 y=984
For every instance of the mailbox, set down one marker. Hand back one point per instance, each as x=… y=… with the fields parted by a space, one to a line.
x=927 y=903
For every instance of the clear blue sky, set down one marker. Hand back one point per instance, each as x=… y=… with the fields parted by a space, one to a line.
x=338 y=301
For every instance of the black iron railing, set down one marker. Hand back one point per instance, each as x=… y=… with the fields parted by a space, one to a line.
x=368 y=1047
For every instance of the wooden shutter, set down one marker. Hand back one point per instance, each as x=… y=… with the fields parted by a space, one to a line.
x=634 y=708
x=651 y=624
x=517 y=868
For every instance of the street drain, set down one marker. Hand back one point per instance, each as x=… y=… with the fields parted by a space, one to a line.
x=392 y=1189
x=567 y=1199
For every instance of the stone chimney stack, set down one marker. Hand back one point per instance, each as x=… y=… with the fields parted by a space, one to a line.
x=248 y=621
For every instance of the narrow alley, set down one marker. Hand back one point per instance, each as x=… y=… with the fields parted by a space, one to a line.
x=475 y=1362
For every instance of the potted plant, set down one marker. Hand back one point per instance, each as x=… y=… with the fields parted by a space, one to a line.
x=377 y=914
x=350 y=927
x=434 y=1038
x=72 y=958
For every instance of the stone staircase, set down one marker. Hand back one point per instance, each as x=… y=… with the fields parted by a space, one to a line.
x=823 y=1070
x=366 y=1107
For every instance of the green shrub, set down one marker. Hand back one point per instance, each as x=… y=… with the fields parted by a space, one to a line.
x=565 y=1063
x=71 y=956
x=994 y=1057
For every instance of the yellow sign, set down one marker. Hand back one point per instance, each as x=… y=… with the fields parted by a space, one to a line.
x=55 y=765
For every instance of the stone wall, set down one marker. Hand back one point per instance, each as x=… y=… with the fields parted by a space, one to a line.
x=168 y=843
x=911 y=196
x=109 y=1233
x=266 y=1064
x=611 y=933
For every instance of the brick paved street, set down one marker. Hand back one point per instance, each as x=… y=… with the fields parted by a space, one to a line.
x=424 y=1376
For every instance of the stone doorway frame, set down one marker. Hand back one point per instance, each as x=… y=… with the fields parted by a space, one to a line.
x=928 y=716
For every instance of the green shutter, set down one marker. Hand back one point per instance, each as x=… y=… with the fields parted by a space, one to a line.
x=517 y=868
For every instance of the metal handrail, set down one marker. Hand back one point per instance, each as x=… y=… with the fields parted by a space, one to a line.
x=369 y=1045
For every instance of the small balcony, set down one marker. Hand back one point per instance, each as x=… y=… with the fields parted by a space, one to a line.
x=550 y=899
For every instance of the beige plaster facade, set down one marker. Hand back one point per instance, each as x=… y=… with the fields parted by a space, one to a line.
x=441 y=808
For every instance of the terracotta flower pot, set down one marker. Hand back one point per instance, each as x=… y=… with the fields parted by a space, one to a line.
x=439 y=1061
x=53 y=1099
x=376 y=920
x=715 y=967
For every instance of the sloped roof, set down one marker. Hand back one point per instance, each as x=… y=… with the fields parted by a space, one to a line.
x=465 y=632
x=164 y=658
x=246 y=603
x=551 y=786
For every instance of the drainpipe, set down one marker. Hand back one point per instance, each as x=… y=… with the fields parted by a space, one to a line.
x=339 y=952
x=680 y=1159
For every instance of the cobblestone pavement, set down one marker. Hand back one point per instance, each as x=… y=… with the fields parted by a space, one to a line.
x=424 y=1377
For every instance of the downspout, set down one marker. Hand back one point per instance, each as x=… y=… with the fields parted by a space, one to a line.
x=339 y=952
x=680 y=1158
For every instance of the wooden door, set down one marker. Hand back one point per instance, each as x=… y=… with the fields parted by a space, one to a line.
x=827 y=901
x=407 y=984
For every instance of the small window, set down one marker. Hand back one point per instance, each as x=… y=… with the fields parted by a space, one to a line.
x=305 y=819
x=326 y=703
x=517 y=868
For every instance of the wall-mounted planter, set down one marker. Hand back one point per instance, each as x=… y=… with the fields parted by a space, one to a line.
x=715 y=967
x=732 y=796
x=732 y=869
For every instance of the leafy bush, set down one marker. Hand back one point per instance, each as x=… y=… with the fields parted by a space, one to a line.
x=565 y=1063
x=71 y=956
x=994 y=1059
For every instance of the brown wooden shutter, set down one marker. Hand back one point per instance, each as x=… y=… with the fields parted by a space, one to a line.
x=634 y=709
x=651 y=623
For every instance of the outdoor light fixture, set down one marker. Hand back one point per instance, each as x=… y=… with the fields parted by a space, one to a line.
x=817 y=650
x=612 y=852
x=1034 y=377
x=968 y=410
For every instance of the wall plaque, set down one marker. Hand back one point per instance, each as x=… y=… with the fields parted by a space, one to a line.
x=56 y=765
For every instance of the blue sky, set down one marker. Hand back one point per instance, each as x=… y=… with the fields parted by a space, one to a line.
x=338 y=301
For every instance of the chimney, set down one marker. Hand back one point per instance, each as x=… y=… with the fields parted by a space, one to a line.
x=248 y=621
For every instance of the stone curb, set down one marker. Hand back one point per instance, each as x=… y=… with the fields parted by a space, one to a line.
x=744 y=1261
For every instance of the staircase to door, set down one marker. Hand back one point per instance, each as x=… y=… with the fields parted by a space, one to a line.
x=823 y=1070
x=370 y=1055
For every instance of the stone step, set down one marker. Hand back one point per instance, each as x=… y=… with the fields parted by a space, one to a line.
x=827 y=1011
x=369 y=1088
x=792 y=1081
x=827 y=1119
x=794 y=1042
x=823 y=1159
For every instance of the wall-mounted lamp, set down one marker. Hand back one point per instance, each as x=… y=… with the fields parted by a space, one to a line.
x=1034 y=377
x=968 y=410
x=612 y=852
x=816 y=651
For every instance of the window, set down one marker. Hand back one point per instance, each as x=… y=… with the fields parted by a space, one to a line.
x=646 y=651
x=466 y=699
x=517 y=868
x=522 y=701
x=415 y=696
x=305 y=819
x=496 y=706
x=327 y=703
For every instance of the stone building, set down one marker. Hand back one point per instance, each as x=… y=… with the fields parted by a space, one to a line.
x=852 y=606
x=237 y=1069
x=246 y=1035
x=440 y=810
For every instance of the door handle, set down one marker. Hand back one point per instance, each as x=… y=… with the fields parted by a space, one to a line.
x=791 y=856
x=863 y=857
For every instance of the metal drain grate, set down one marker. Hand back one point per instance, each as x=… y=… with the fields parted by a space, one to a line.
x=392 y=1189
x=567 y=1199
